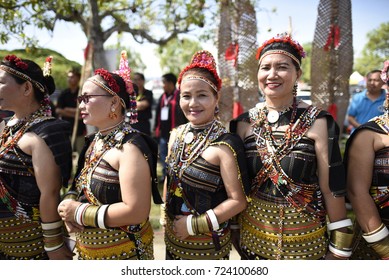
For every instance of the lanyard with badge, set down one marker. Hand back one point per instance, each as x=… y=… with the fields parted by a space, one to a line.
x=165 y=108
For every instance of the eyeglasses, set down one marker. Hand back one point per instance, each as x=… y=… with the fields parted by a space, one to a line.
x=85 y=98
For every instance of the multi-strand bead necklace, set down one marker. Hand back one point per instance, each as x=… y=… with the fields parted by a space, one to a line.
x=101 y=145
x=271 y=153
x=186 y=149
x=15 y=129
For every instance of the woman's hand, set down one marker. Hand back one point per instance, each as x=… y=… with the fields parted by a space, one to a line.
x=66 y=210
x=179 y=227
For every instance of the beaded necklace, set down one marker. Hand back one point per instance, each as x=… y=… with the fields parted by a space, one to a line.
x=15 y=129
x=184 y=154
x=100 y=147
x=271 y=153
x=383 y=122
x=273 y=115
x=9 y=139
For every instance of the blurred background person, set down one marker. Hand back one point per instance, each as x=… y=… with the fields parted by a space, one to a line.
x=368 y=103
x=66 y=108
x=144 y=103
x=168 y=116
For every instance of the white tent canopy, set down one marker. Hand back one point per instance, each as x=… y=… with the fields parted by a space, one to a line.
x=356 y=78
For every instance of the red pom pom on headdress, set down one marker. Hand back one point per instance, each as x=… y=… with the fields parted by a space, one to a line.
x=203 y=59
x=112 y=84
x=17 y=61
x=282 y=38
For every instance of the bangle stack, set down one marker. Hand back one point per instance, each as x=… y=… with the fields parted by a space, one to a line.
x=72 y=195
x=204 y=223
x=341 y=242
x=91 y=215
x=52 y=235
x=379 y=241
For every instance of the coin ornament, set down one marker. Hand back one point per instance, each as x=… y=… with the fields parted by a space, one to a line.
x=189 y=137
x=273 y=116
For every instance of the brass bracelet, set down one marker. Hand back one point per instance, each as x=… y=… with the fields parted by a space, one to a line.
x=200 y=224
x=90 y=215
x=382 y=247
x=342 y=240
x=72 y=195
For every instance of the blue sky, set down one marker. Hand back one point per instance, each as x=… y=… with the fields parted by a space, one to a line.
x=366 y=16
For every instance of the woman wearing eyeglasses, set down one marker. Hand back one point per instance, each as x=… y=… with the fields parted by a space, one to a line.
x=109 y=203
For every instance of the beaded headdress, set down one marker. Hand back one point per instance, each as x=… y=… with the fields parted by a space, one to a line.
x=125 y=72
x=285 y=39
x=113 y=88
x=202 y=59
x=22 y=66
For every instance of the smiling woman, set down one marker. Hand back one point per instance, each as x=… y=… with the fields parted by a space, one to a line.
x=204 y=187
x=285 y=141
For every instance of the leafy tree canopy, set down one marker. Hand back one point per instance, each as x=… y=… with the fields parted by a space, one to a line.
x=147 y=20
x=177 y=54
x=60 y=67
x=376 y=50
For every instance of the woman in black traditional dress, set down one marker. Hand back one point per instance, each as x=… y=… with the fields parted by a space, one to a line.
x=206 y=170
x=366 y=158
x=35 y=163
x=294 y=162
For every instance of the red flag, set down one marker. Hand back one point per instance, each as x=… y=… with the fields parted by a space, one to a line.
x=232 y=52
x=333 y=110
x=333 y=38
x=237 y=109
x=86 y=51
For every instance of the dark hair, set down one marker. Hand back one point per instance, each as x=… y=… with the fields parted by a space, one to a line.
x=36 y=74
x=170 y=77
x=204 y=73
x=373 y=71
x=142 y=77
x=76 y=71
x=122 y=88
x=285 y=47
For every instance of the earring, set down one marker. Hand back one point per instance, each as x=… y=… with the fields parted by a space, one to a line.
x=112 y=114
x=216 y=110
x=294 y=91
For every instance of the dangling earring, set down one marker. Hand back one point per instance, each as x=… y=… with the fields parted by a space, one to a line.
x=294 y=91
x=112 y=114
x=216 y=111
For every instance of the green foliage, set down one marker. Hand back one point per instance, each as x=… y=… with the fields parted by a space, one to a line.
x=376 y=50
x=306 y=63
x=176 y=54
x=60 y=67
x=153 y=21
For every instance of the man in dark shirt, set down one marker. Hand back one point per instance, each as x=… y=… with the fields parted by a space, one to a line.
x=144 y=102
x=67 y=107
x=168 y=115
